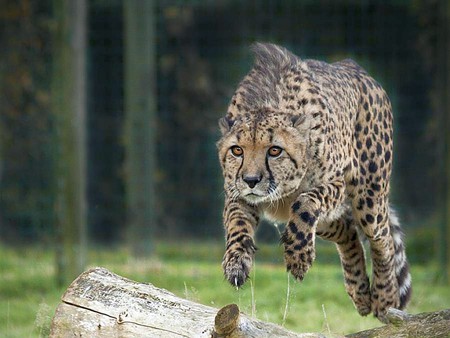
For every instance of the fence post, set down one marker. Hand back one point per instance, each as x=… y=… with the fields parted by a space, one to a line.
x=446 y=111
x=69 y=108
x=443 y=106
x=140 y=119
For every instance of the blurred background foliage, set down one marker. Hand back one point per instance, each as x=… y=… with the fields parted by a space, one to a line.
x=26 y=127
x=201 y=51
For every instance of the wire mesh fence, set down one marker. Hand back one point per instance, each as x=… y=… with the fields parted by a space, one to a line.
x=202 y=52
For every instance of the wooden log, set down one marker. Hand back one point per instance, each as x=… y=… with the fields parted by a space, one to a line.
x=432 y=324
x=100 y=303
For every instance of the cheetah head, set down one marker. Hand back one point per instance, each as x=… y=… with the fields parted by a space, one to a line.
x=263 y=155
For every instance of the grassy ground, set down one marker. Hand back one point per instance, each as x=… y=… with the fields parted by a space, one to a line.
x=29 y=295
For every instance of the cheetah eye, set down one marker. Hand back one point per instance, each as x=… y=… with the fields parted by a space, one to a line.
x=274 y=151
x=237 y=151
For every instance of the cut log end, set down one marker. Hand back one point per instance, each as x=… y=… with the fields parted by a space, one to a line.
x=226 y=320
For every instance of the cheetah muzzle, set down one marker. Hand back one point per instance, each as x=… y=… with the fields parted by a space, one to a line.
x=310 y=144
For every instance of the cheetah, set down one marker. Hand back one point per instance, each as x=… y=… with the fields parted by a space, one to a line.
x=310 y=144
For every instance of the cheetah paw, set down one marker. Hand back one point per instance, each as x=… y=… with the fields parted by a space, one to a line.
x=380 y=310
x=236 y=267
x=362 y=304
x=360 y=295
x=298 y=263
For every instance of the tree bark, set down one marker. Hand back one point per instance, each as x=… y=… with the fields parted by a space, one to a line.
x=101 y=304
x=433 y=325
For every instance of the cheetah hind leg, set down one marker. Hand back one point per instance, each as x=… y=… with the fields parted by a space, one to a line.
x=357 y=283
x=391 y=286
x=343 y=232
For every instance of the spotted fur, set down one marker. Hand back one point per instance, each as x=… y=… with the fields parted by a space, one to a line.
x=310 y=144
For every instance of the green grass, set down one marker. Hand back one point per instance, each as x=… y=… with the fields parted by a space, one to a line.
x=29 y=294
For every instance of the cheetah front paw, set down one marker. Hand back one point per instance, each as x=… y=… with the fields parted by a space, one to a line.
x=236 y=267
x=299 y=252
x=298 y=263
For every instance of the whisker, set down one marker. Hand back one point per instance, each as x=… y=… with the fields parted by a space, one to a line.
x=231 y=192
x=274 y=197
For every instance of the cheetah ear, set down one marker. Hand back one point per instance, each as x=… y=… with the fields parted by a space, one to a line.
x=298 y=120
x=301 y=123
x=225 y=124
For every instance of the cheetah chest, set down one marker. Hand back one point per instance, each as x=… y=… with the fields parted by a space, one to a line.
x=281 y=213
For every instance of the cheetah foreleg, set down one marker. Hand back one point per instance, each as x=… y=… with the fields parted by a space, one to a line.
x=299 y=235
x=240 y=221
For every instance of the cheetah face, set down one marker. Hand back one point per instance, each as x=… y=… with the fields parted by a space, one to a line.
x=263 y=156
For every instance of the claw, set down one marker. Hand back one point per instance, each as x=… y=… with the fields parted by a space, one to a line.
x=236 y=283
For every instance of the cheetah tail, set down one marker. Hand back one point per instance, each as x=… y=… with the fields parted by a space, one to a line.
x=401 y=263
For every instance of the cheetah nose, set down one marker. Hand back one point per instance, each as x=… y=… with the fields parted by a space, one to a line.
x=252 y=181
